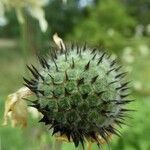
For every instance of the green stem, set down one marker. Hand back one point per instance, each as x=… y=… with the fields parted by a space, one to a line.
x=24 y=47
x=57 y=145
x=24 y=42
x=89 y=146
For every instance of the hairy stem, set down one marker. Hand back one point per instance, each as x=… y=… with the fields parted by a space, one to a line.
x=89 y=146
x=24 y=42
x=57 y=145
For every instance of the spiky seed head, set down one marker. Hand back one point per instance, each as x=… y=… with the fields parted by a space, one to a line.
x=81 y=93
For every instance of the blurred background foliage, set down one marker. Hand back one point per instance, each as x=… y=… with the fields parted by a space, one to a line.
x=121 y=27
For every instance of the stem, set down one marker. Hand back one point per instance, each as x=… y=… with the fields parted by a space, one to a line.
x=24 y=42
x=57 y=145
x=24 y=46
x=89 y=146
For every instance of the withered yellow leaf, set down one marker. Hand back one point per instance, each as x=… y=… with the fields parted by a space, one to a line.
x=16 y=108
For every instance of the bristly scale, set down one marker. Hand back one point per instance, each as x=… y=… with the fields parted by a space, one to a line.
x=81 y=93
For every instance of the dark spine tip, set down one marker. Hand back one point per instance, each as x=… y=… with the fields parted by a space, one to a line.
x=87 y=66
x=32 y=88
x=119 y=123
x=55 y=65
x=54 y=95
x=77 y=49
x=112 y=130
x=37 y=106
x=72 y=46
x=35 y=102
x=51 y=78
x=46 y=63
x=41 y=92
x=100 y=93
x=45 y=120
x=113 y=63
x=84 y=47
x=55 y=54
x=66 y=92
x=93 y=80
x=109 y=56
x=125 y=89
x=123 y=85
x=84 y=96
x=93 y=51
x=94 y=56
x=124 y=96
x=36 y=71
x=118 y=68
x=43 y=63
x=80 y=81
x=121 y=75
x=65 y=55
x=113 y=82
x=80 y=52
x=33 y=73
x=103 y=134
x=66 y=76
x=27 y=81
x=123 y=102
x=125 y=110
x=75 y=139
x=61 y=48
x=109 y=71
x=73 y=64
x=101 y=58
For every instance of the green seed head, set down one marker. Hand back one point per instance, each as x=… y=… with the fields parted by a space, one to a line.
x=80 y=92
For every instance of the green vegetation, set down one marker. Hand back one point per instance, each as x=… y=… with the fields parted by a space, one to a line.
x=121 y=27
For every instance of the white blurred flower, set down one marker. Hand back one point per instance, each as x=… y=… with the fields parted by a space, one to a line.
x=127 y=55
x=64 y=1
x=128 y=50
x=33 y=7
x=111 y=32
x=139 y=30
x=84 y=3
x=148 y=29
x=3 y=20
x=137 y=85
x=39 y=14
x=144 y=50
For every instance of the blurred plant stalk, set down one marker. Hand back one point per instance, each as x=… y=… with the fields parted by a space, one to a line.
x=33 y=8
x=57 y=145
x=89 y=146
x=23 y=39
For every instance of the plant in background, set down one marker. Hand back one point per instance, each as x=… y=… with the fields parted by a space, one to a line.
x=136 y=58
x=3 y=20
x=33 y=7
x=109 y=21
x=22 y=8
x=81 y=93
